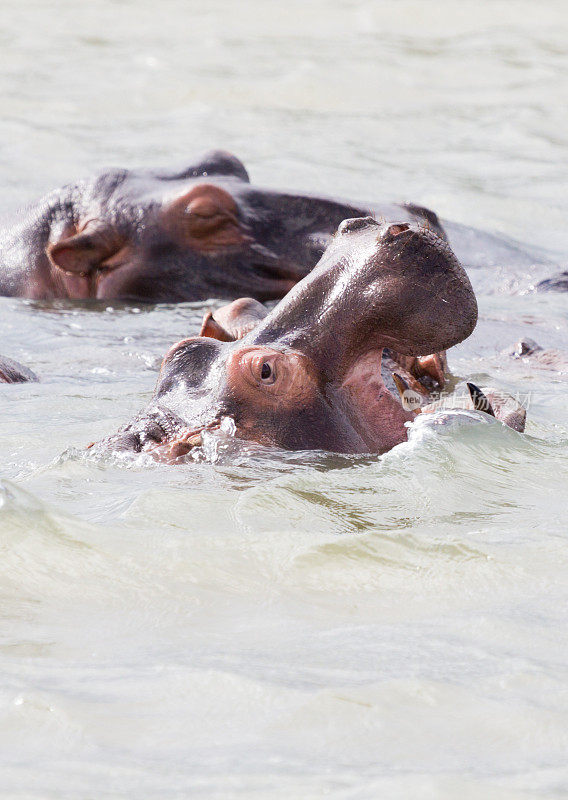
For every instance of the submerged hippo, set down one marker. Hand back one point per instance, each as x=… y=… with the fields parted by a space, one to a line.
x=13 y=372
x=308 y=375
x=158 y=236
x=529 y=352
x=556 y=283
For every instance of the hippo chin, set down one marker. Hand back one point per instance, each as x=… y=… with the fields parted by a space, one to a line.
x=308 y=375
x=157 y=236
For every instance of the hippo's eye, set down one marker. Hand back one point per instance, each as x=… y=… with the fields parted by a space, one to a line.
x=267 y=373
x=264 y=369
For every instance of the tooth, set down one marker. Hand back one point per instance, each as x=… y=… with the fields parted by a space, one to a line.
x=480 y=402
x=410 y=399
x=433 y=366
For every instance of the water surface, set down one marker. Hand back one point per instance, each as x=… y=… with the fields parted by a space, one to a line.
x=269 y=625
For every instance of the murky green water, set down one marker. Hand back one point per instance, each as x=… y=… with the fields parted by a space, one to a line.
x=269 y=625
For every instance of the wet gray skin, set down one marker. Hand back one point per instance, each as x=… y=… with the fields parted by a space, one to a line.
x=171 y=236
x=308 y=376
x=13 y=372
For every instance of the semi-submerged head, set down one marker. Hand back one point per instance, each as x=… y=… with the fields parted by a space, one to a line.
x=151 y=236
x=157 y=236
x=308 y=376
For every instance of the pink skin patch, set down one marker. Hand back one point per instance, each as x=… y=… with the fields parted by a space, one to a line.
x=381 y=418
x=266 y=377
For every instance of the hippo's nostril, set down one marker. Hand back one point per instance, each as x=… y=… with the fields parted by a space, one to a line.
x=397 y=229
x=356 y=224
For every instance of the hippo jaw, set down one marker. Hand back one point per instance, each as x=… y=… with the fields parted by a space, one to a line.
x=376 y=286
x=278 y=397
x=275 y=396
x=309 y=375
x=378 y=416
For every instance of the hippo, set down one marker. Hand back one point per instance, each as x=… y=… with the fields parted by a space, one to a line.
x=188 y=234
x=309 y=374
x=529 y=352
x=556 y=283
x=13 y=372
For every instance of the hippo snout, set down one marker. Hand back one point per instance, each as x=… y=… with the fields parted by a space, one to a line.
x=387 y=232
x=390 y=232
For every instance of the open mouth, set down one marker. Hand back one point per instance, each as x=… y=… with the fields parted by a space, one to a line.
x=385 y=390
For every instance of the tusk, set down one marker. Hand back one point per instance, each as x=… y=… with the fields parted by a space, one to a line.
x=411 y=400
x=480 y=402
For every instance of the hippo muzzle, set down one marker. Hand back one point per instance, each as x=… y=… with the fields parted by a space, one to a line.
x=308 y=376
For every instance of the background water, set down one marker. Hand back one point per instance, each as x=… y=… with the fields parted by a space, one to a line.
x=303 y=625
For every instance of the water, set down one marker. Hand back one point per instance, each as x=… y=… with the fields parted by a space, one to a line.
x=270 y=625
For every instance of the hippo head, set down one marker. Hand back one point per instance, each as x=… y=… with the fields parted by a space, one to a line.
x=163 y=236
x=308 y=376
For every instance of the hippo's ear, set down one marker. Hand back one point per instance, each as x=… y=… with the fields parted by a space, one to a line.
x=233 y=321
x=240 y=317
x=207 y=219
x=81 y=252
x=211 y=329
x=214 y=162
